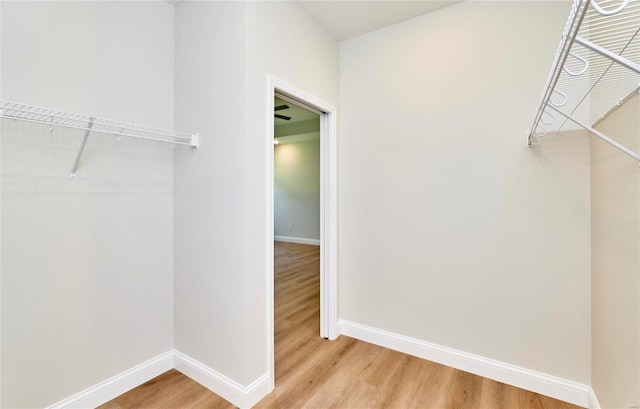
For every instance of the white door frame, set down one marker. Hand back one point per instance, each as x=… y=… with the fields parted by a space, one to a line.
x=328 y=212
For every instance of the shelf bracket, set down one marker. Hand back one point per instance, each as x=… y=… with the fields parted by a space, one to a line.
x=599 y=134
x=606 y=53
x=195 y=141
x=82 y=144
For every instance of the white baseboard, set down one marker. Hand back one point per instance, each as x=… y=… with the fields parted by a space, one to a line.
x=119 y=384
x=247 y=396
x=298 y=240
x=241 y=396
x=534 y=381
x=593 y=400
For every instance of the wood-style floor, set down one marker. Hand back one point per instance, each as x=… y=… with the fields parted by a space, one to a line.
x=312 y=372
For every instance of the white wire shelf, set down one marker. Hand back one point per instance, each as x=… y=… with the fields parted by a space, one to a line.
x=14 y=110
x=51 y=117
x=596 y=69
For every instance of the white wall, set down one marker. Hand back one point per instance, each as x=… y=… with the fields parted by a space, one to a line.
x=474 y=241
x=86 y=263
x=210 y=278
x=224 y=51
x=0 y=215
x=297 y=190
x=615 y=252
x=282 y=40
x=452 y=230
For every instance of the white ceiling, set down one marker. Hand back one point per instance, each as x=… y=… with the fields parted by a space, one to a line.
x=347 y=19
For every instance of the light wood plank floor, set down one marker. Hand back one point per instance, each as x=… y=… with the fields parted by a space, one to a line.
x=315 y=373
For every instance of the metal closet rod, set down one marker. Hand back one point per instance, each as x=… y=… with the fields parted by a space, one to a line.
x=570 y=37
x=51 y=117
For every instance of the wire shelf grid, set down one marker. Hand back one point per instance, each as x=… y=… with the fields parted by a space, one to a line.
x=51 y=117
x=596 y=69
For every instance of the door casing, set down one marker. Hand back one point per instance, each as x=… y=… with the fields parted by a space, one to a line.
x=328 y=211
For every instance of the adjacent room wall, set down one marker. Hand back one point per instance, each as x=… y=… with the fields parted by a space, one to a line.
x=86 y=263
x=297 y=191
x=452 y=230
x=615 y=255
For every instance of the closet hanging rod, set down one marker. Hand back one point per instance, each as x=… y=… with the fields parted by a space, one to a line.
x=30 y=113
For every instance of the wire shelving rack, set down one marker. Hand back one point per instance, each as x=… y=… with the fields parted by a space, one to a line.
x=51 y=117
x=596 y=69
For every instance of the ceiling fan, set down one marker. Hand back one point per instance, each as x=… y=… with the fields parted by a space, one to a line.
x=280 y=108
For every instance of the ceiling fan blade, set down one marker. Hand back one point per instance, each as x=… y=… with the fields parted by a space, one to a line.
x=286 y=118
x=281 y=107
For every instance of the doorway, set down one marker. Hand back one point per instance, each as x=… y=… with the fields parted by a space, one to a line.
x=328 y=208
x=296 y=174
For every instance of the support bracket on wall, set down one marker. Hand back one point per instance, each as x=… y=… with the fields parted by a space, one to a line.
x=599 y=135
x=50 y=117
x=82 y=144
